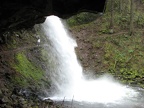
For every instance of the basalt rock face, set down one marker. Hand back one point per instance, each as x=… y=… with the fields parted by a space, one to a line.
x=26 y=13
x=66 y=8
x=22 y=13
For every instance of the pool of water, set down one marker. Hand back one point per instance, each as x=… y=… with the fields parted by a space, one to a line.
x=100 y=105
x=137 y=102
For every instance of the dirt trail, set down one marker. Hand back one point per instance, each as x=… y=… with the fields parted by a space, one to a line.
x=118 y=33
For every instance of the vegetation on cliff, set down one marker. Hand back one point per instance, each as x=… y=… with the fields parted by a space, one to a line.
x=26 y=69
x=114 y=50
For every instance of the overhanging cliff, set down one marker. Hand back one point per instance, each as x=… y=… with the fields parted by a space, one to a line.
x=26 y=13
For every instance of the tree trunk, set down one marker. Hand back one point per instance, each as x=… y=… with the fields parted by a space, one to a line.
x=120 y=6
x=131 y=17
x=112 y=16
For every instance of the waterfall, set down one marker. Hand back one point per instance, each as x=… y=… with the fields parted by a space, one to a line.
x=67 y=73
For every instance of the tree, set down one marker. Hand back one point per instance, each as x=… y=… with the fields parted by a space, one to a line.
x=120 y=5
x=112 y=16
x=131 y=17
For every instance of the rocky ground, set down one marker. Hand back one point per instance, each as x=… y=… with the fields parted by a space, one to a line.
x=22 y=98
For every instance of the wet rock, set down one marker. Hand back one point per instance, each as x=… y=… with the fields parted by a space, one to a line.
x=16 y=91
x=49 y=101
x=22 y=101
x=1 y=93
x=35 y=107
x=8 y=106
x=5 y=91
x=5 y=99
x=25 y=106
x=15 y=98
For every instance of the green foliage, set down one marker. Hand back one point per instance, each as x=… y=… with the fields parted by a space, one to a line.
x=81 y=18
x=104 y=31
x=27 y=71
x=140 y=20
x=124 y=58
x=121 y=55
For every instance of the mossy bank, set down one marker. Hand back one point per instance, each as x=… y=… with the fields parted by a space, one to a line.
x=23 y=66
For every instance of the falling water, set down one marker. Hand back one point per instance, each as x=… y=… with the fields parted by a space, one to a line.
x=67 y=76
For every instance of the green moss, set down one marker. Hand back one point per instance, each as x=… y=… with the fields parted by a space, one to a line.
x=20 y=80
x=81 y=18
x=27 y=70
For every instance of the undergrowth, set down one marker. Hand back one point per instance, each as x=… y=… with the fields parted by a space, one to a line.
x=122 y=55
x=124 y=58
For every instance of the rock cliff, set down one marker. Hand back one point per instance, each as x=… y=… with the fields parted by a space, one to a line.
x=25 y=13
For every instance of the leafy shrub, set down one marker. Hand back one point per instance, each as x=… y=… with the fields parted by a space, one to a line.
x=81 y=18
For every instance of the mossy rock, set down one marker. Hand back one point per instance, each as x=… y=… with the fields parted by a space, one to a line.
x=26 y=70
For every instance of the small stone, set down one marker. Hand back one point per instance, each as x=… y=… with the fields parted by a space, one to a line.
x=5 y=99
x=1 y=93
x=35 y=107
x=5 y=91
x=49 y=101
x=22 y=101
x=25 y=106
x=14 y=97
x=8 y=106
x=17 y=35
x=111 y=31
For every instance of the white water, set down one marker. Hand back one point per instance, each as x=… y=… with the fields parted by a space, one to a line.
x=68 y=77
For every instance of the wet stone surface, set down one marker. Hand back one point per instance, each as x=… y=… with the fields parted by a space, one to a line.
x=18 y=98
